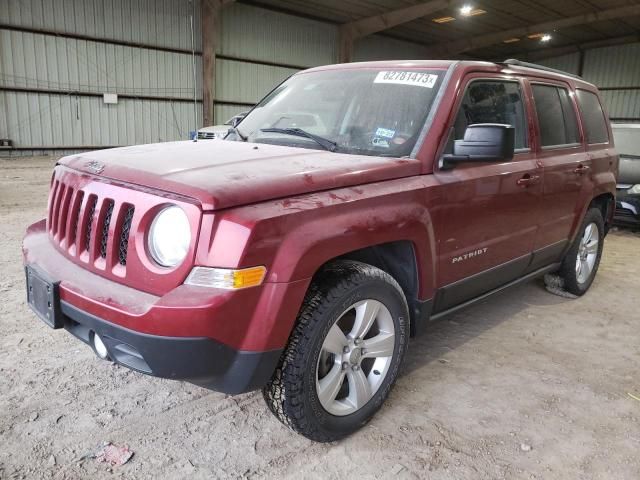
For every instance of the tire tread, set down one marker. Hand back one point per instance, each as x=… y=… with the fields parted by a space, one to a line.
x=567 y=270
x=283 y=393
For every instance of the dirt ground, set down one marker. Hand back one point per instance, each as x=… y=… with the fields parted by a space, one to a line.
x=523 y=385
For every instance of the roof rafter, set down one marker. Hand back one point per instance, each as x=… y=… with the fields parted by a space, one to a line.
x=474 y=43
x=541 y=54
x=349 y=32
x=377 y=23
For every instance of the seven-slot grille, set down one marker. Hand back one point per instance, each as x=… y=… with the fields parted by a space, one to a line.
x=84 y=224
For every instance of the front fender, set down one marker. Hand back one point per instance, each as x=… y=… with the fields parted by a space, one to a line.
x=294 y=237
x=309 y=245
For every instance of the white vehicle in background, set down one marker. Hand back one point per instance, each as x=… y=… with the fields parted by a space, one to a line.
x=627 y=141
x=218 y=132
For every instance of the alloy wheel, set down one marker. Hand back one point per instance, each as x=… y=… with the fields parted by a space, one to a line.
x=355 y=357
x=587 y=253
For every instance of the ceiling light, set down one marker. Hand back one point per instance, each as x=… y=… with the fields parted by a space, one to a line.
x=545 y=38
x=477 y=11
x=466 y=10
x=443 y=19
x=511 y=40
x=534 y=36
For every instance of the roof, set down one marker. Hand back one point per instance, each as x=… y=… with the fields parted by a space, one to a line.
x=529 y=69
x=388 y=64
x=500 y=16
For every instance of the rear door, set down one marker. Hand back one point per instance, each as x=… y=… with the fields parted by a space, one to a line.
x=565 y=165
x=602 y=155
x=486 y=215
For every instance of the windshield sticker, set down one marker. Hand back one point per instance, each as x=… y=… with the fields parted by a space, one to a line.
x=380 y=142
x=416 y=79
x=385 y=132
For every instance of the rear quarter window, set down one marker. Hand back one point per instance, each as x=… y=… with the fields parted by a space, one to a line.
x=556 y=117
x=595 y=123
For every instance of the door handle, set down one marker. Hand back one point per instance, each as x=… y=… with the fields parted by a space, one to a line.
x=581 y=169
x=527 y=180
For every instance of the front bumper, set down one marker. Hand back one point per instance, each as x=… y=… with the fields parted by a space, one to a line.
x=627 y=211
x=229 y=341
x=198 y=360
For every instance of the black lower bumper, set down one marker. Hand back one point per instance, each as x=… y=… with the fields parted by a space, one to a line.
x=201 y=361
x=627 y=211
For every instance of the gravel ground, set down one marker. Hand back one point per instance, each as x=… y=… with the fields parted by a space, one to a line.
x=523 y=385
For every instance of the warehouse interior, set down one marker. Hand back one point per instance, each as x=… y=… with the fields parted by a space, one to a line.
x=58 y=59
x=530 y=383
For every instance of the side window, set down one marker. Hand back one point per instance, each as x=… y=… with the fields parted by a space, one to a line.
x=492 y=101
x=593 y=117
x=556 y=116
x=569 y=115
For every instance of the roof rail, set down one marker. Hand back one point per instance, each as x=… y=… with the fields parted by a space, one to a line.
x=519 y=63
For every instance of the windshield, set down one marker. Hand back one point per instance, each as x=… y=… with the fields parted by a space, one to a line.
x=361 y=111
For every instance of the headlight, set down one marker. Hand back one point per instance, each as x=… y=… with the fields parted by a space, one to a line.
x=635 y=190
x=169 y=236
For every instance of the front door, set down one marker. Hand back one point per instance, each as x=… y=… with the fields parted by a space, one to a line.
x=486 y=215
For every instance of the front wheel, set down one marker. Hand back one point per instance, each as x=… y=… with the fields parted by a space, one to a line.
x=581 y=263
x=344 y=353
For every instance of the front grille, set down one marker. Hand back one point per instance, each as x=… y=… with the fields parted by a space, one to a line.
x=124 y=235
x=75 y=212
x=206 y=135
x=100 y=226
x=81 y=222
x=92 y=213
x=104 y=238
x=623 y=212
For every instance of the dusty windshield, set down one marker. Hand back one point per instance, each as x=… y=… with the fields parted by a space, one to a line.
x=360 y=111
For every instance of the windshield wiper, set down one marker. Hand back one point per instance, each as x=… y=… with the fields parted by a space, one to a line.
x=298 y=132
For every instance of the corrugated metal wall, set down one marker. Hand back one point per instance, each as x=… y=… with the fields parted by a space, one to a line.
x=57 y=58
x=252 y=33
x=616 y=71
x=163 y=23
x=269 y=42
x=43 y=61
x=569 y=63
x=377 y=47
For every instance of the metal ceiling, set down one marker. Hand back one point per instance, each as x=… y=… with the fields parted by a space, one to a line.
x=501 y=15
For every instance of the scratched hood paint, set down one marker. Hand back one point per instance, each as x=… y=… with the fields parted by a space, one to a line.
x=222 y=174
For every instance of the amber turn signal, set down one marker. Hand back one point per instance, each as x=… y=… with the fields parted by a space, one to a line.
x=229 y=279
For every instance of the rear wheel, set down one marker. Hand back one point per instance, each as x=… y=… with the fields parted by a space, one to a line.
x=344 y=354
x=581 y=263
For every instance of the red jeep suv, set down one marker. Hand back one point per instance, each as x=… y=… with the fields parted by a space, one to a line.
x=351 y=206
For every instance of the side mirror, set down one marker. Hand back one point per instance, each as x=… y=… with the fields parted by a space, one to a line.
x=234 y=121
x=483 y=142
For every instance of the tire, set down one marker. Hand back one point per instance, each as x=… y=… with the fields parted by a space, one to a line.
x=319 y=389
x=577 y=280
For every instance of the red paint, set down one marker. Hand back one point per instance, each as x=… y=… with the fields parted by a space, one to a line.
x=292 y=210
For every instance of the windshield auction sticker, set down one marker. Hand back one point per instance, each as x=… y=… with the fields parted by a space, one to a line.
x=416 y=79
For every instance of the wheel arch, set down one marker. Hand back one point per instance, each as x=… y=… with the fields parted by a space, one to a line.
x=381 y=230
x=606 y=203
x=401 y=260
x=398 y=259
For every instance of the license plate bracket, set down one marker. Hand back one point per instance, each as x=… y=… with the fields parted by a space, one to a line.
x=43 y=297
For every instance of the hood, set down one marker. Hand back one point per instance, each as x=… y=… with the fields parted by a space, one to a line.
x=227 y=174
x=215 y=129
